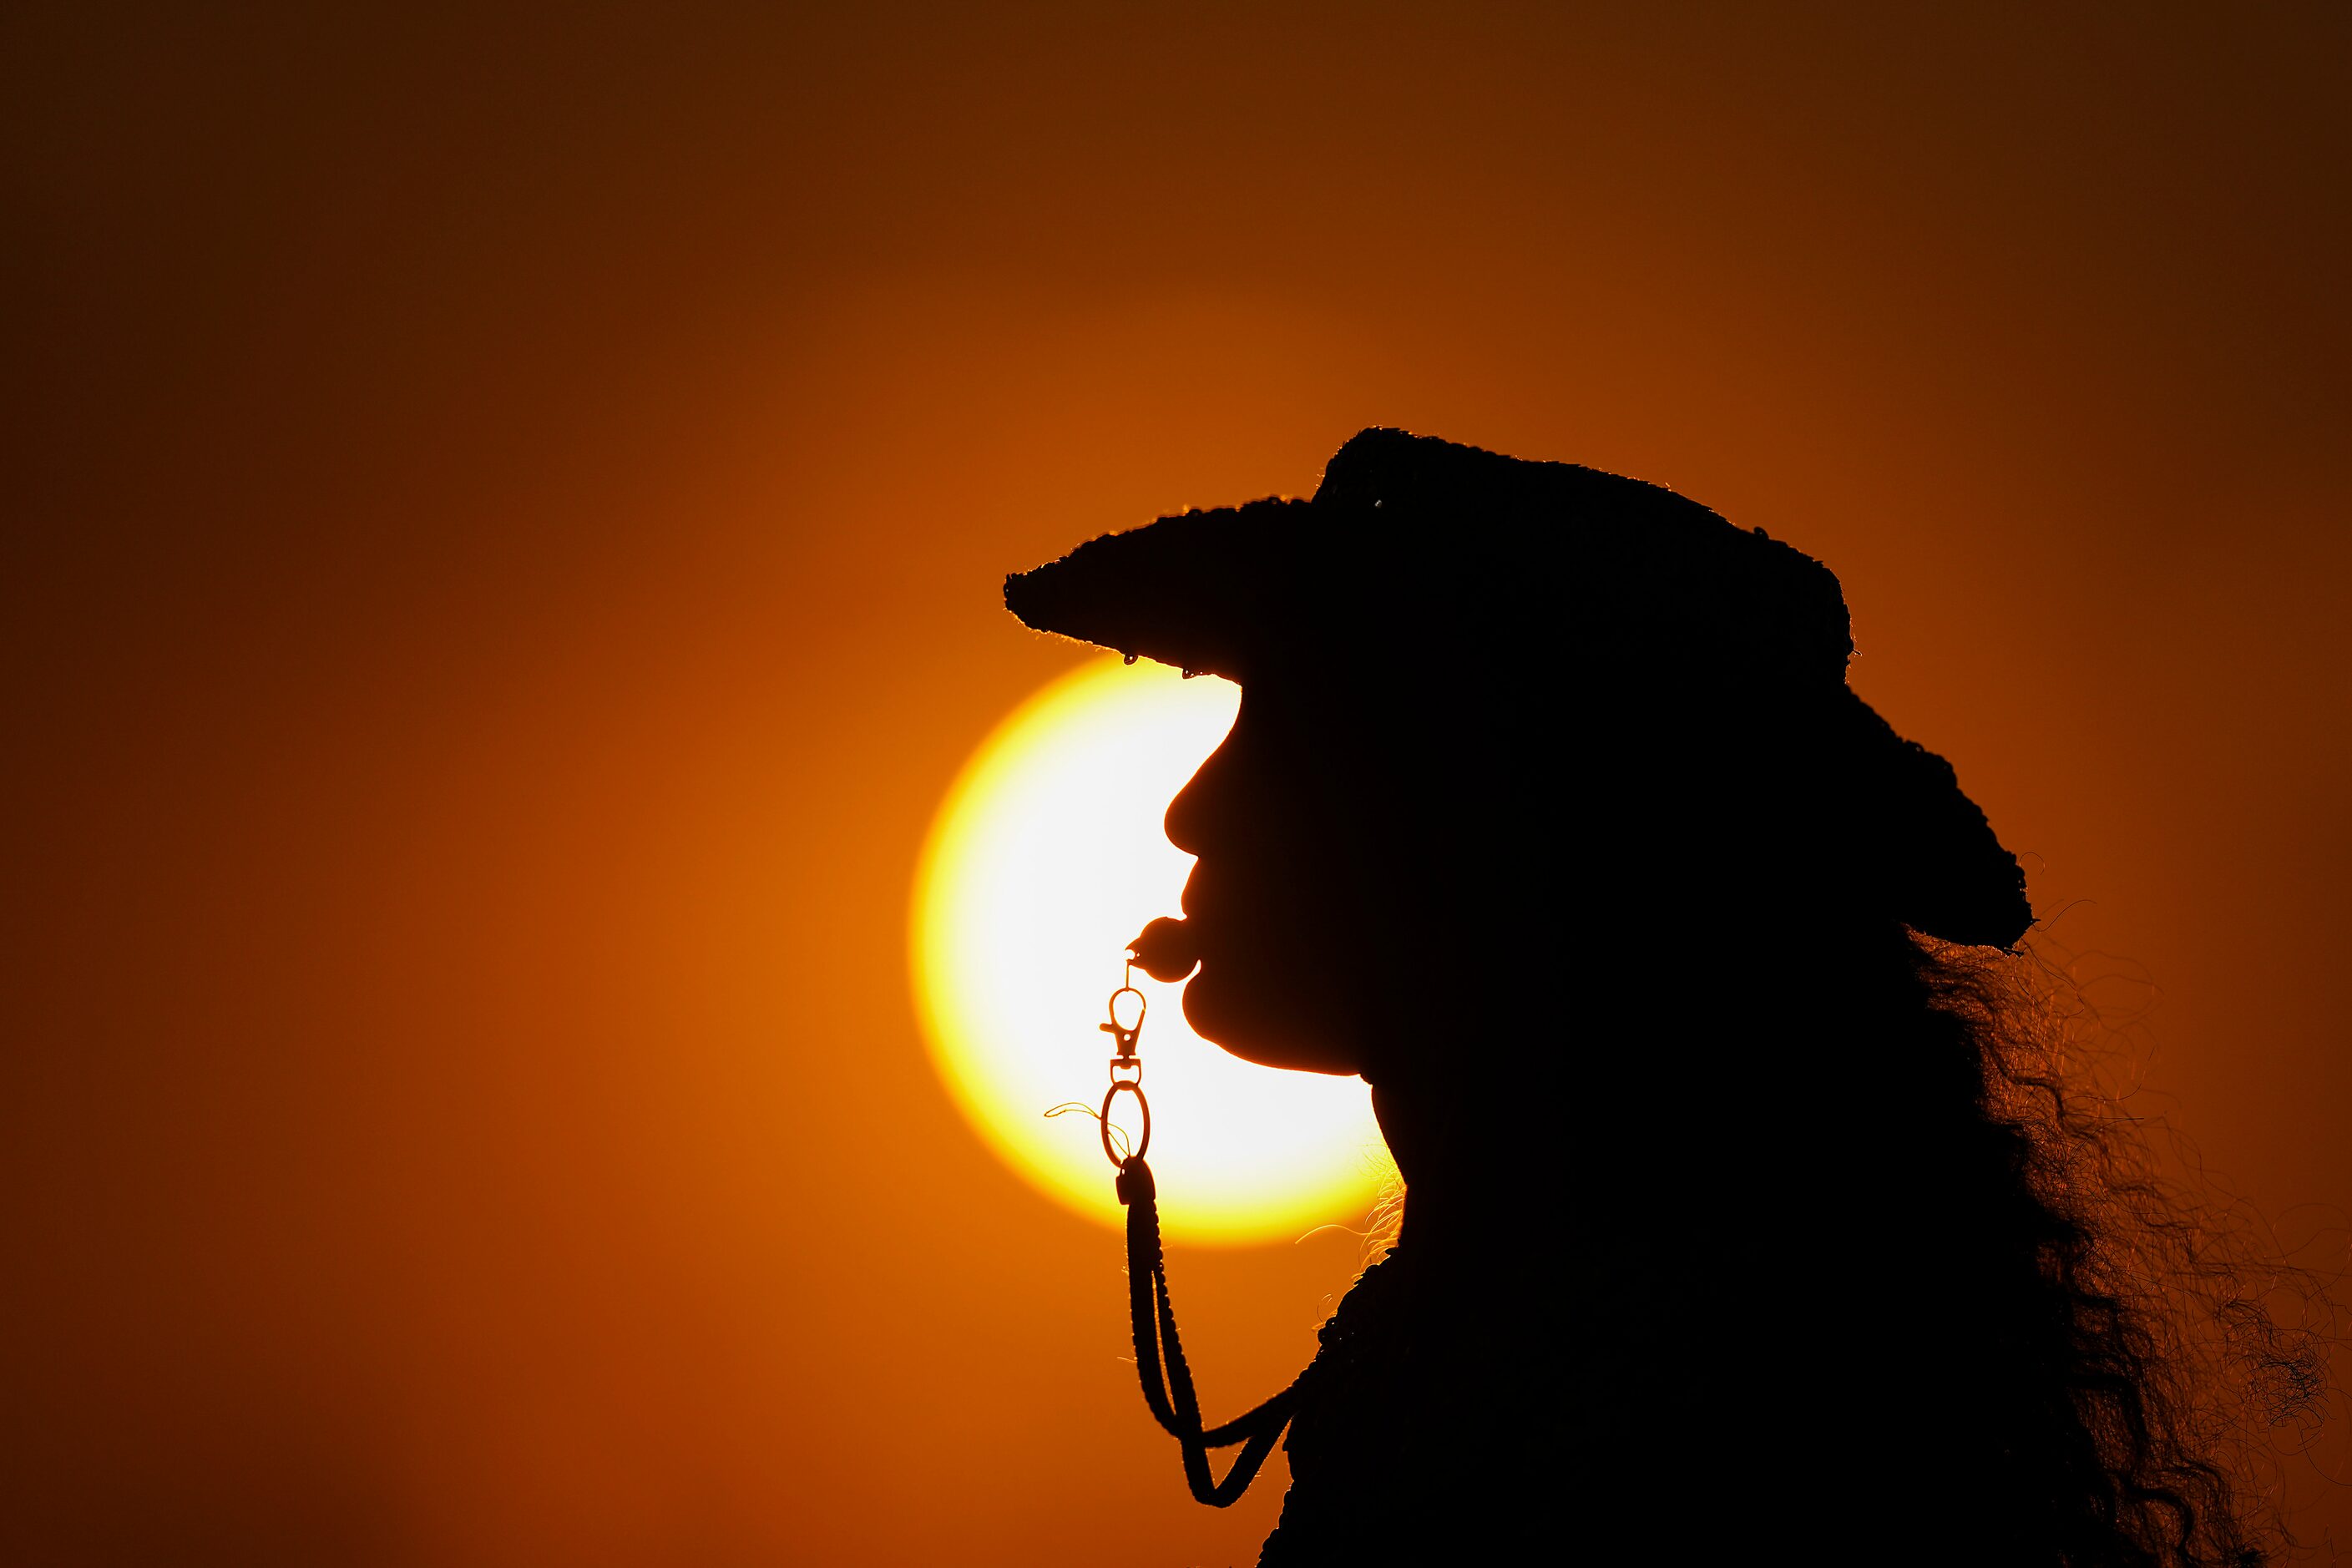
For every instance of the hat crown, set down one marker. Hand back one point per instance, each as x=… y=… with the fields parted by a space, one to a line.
x=1611 y=567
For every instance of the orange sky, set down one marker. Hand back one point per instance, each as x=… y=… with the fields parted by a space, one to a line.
x=504 y=518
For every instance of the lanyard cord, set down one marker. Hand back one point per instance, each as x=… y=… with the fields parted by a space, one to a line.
x=1159 y=1354
x=1160 y=1360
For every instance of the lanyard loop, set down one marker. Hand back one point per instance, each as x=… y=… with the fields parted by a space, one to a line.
x=1160 y=1363
x=1160 y=1360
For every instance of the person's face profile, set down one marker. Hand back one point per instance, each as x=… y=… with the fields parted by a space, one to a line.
x=1271 y=905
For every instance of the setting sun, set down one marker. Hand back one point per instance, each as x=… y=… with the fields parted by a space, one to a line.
x=1046 y=859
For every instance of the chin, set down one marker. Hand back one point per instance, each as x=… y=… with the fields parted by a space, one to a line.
x=1249 y=1021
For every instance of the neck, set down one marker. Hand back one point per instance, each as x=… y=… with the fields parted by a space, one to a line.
x=1449 y=1171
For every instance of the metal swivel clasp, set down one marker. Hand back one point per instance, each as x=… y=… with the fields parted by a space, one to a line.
x=1127 y=1060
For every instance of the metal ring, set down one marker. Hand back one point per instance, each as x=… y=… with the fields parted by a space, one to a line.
x=1143 y=1144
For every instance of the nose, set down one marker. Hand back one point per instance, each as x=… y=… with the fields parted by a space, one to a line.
x=1194 y=814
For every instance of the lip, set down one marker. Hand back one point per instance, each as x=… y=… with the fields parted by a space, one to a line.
x=1198 y=898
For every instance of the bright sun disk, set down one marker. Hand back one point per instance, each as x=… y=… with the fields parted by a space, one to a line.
x=1047 y=856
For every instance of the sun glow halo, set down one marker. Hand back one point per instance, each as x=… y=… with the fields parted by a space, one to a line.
x=1047 y=856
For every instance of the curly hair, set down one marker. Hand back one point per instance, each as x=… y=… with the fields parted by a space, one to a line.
x=2134 y=1362
x=1913 y=1260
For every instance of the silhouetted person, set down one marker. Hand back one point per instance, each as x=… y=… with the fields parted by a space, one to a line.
x=1548 y=811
